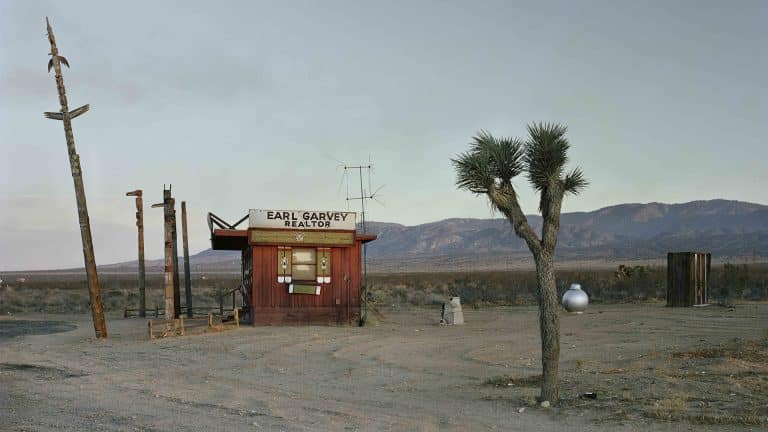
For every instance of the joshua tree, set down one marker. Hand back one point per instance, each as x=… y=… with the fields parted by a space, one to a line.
x=488 y=168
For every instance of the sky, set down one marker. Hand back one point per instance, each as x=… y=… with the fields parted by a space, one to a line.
x=259 y=105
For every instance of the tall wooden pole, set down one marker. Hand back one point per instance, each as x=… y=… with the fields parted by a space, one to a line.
x=142 y=273
x=185 y=241
x=167 y=205
x=66 y=116
x=176 y=285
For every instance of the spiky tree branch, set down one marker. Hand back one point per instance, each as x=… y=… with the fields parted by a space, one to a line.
x=505 y=200
x=546 y=153
x=488 y=168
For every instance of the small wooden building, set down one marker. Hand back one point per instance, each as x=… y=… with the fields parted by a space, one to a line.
x=688 y=278
x=298 y=266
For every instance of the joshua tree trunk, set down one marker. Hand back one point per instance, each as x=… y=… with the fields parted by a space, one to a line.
x=543 y=255
x=549 y=325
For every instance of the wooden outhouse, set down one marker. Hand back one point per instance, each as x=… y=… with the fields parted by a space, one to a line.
x=688 y=278
x=298 y=266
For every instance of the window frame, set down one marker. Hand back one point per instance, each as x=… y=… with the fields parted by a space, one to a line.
x=297 y=263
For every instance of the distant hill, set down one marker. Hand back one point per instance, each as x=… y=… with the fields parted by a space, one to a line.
x=625 y=232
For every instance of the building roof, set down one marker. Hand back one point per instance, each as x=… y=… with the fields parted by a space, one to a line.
x=234 y=239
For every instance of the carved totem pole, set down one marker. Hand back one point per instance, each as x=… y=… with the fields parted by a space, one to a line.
x=66 y=116
x=142 y=273
x=172 y=300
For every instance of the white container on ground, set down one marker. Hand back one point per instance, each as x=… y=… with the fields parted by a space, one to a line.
x=575 y=300
x=452 y=314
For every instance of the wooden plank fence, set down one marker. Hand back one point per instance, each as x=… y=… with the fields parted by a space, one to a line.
x=157 y=312
x=161 y=328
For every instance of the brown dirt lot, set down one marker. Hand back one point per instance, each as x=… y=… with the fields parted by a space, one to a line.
x=652 y=368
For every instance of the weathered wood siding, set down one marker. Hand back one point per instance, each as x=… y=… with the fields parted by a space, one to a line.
x=247 y=270
x=338 y=302
x=688 y=278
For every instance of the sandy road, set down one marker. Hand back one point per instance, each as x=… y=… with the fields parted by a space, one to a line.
x=405 y=374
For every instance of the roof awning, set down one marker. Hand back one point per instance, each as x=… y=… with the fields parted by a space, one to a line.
x=365 y=238
x=224 y=239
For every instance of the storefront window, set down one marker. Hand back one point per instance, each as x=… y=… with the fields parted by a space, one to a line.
x=304 y=264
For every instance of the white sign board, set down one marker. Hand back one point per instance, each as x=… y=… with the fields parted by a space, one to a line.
x=302 y=219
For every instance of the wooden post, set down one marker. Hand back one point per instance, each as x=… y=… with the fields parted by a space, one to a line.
x=237 y=317
x=185 y=245
x=349 y=298
x=149 y=329
x=210 y=319
x=142 y=272
x=66 y=116
x=168 y=217
x=181 y=325
x=176 y=284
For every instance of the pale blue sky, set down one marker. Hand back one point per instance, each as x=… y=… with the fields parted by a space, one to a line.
x=251 y=104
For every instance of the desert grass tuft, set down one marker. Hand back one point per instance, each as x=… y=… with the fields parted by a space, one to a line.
x=512 y=381
x=670 y=408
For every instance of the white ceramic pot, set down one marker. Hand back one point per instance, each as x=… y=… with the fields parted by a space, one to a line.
x=575 y=300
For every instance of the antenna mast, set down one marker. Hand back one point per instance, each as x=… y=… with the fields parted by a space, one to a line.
x=362 y=198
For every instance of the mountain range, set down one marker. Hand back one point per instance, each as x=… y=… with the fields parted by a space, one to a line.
x=730 y=230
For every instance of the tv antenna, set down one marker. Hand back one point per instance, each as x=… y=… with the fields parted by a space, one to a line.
x=362 y=197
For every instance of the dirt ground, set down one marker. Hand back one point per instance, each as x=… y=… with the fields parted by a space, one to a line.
x=651 y=367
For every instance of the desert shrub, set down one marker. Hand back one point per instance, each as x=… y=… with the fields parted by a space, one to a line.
x=746 y=282
x=642 y=283
x=68 y=293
